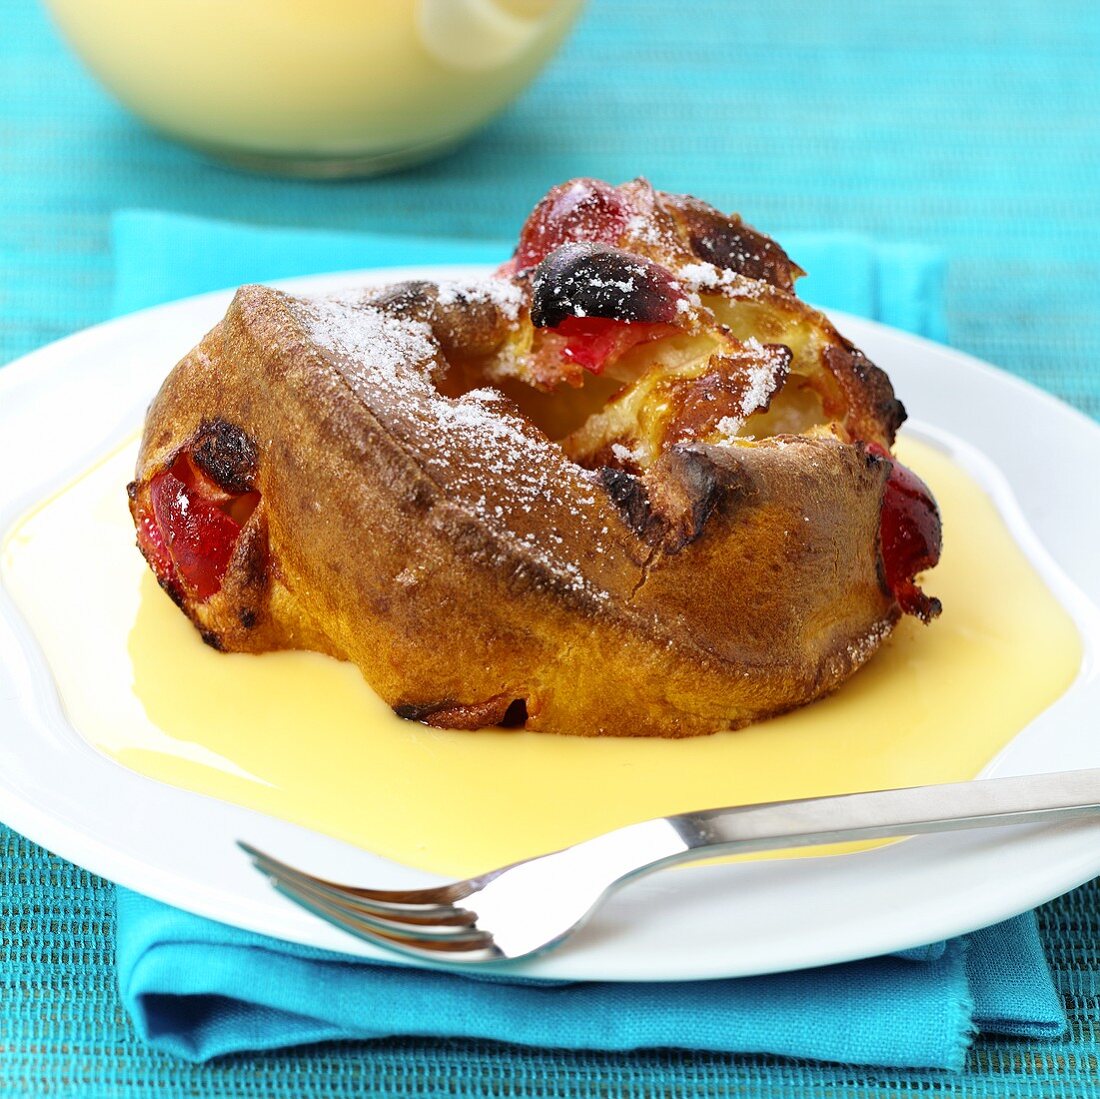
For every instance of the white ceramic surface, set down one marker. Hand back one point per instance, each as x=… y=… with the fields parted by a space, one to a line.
x=67 y=403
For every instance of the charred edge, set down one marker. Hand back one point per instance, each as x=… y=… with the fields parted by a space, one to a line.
x=515 y=717
x=596 y=280
x=928 y=608
x=212 y=639
x=226 y=454
x=411 y=711
x=629 y=495
x=875 y=389
x=746 y=253
x=886 y=406
x=503 y=709
x=695 y=486
x=687 y=488
x=730 y=243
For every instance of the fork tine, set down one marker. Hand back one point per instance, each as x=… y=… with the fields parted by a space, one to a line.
x=431 y=896
x=385 y=926
x=481 y=949
x=443 y=914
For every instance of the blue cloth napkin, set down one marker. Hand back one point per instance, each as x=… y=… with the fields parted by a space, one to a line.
x=161 y=256
x=200 y=989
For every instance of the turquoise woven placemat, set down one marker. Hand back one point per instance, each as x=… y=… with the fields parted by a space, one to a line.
x=972 y=127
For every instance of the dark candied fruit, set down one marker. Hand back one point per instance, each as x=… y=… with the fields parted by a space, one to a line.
x=595 y=280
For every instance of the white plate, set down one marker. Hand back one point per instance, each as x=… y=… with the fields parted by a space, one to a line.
x=65 y=404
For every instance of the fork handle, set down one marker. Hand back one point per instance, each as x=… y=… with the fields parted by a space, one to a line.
x=879 y=814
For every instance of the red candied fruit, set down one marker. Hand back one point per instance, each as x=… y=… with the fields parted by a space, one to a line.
x=582 y=209
x=152 y=544
x=193 y=528
x=911 y=533
x=593 y=342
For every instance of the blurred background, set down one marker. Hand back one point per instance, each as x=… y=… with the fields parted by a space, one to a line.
x=970 y=127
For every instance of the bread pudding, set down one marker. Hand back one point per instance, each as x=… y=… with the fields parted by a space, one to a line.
x=627 y=485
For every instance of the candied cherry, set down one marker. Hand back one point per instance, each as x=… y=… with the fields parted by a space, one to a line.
x=193 y=528
x=152 y=545
x=581 y=209
x=911 y=534
x=593 y=342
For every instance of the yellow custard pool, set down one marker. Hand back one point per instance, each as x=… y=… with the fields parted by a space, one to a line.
x=302 y=737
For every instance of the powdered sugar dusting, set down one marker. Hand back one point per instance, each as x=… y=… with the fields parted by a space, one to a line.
x=727 y=427
x=763 y=377
x=645 y=230
x=505 y=294
x=626 y=454
x=370 y=339
x=702 y=277
x=863 y=648
x=706 y=278
x=476 y=447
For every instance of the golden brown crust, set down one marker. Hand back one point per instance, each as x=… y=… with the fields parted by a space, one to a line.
x=478 y=572
x=380 y=556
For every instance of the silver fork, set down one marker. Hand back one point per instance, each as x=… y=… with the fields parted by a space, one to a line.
x=530 y=906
